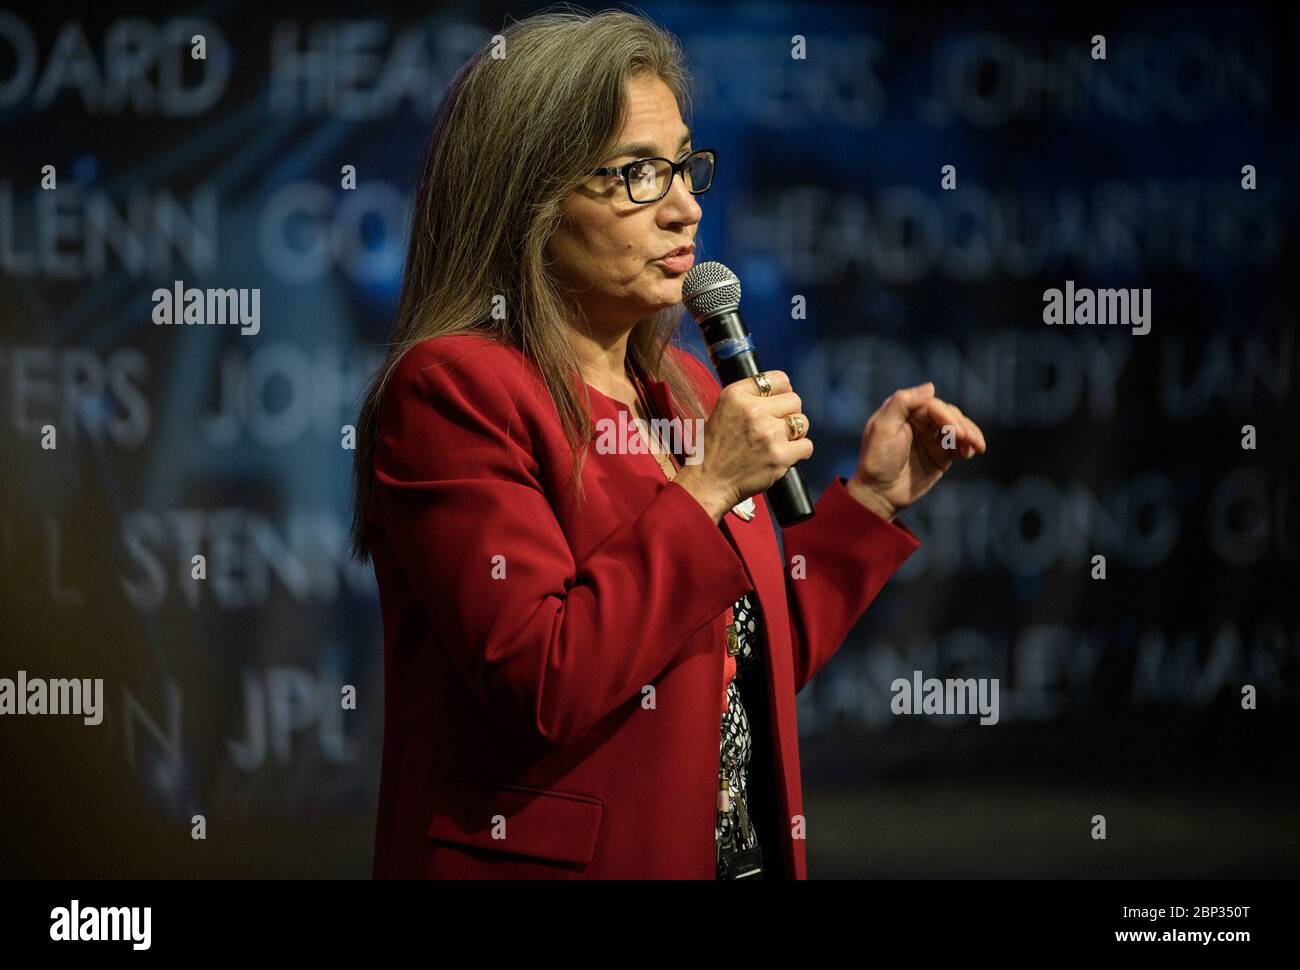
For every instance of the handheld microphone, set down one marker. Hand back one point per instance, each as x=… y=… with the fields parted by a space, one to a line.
x=711 y=293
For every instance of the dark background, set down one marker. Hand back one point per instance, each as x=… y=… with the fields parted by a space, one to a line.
x=1119 y=697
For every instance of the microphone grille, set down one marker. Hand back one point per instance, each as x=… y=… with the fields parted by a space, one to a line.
x=710 y=288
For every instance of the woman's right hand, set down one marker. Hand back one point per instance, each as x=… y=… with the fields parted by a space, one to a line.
x=746 y=446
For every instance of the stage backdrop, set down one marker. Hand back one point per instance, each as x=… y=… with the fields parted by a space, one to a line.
x=899 y=191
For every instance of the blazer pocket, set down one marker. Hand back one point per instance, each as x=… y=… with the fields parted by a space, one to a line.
x=559 y=826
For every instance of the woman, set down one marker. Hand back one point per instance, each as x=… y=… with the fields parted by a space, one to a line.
x=592 y=656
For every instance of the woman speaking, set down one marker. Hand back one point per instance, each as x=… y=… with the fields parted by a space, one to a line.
x=591 y=653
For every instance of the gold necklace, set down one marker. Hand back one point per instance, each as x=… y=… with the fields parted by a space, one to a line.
x=670 y=470
x=666 y=464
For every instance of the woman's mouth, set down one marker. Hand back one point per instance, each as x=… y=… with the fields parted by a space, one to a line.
x=678 y=260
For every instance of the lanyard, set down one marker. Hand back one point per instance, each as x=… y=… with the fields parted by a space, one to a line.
x=729 y=661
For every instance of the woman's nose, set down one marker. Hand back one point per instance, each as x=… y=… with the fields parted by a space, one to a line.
x=679 y=204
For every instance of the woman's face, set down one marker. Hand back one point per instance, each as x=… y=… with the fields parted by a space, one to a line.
x=606 y=248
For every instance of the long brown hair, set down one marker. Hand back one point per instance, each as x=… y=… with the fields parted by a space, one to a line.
x=512 y=137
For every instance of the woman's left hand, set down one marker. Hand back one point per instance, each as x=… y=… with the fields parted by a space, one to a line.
x=907 y=445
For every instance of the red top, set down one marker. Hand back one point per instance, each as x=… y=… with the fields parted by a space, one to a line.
x=551 y=670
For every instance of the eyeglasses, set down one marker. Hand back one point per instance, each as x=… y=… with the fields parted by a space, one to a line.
x=649 y=179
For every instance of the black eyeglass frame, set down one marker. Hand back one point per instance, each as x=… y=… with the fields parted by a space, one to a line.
x=677 y=168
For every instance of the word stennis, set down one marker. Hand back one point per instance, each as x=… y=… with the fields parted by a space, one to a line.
x=84 y=697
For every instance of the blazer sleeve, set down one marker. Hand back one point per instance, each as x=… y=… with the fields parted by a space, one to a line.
x=555 y=644
x=848 y=553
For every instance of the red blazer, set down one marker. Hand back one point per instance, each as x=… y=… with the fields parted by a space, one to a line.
x=521 y=633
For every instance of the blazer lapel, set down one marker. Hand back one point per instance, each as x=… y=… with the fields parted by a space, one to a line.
x=755 y=542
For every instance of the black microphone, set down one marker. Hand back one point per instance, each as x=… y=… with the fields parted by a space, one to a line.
x=711 y=293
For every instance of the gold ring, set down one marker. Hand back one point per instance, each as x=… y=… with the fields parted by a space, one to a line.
x=764 y=385
x=795 y=426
